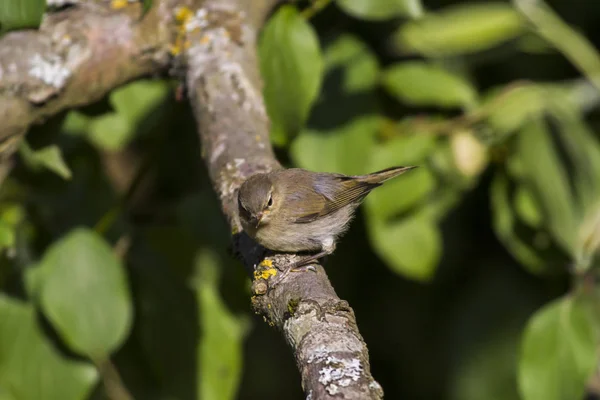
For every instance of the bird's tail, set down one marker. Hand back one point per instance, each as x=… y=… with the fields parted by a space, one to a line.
x=379 y=177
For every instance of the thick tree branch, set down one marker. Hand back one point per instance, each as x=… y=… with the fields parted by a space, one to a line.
x=82 y=53
x=77 y=56
x=225 y=91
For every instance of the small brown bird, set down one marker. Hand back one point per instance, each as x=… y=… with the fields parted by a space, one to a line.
x=295 y=210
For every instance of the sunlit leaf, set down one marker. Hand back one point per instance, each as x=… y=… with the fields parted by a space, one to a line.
x=381 y=9
x=30 y=368
x=407 y=190
x=292 y=67
x=411 y=247
x=422 y=84
x=510 y=108
x=560 y=350
x=21 y=14
x=343 y=150
x=11 y=215
x=139 y=99
x=527 y=207
x=464 y=28
x=49 y=157
x=82 y=288
x=111 y=131
x=220 y=349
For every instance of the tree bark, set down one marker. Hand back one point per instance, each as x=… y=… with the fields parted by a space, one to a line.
x=82 y=53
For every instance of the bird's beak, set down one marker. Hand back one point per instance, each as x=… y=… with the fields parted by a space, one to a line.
x=259 y=218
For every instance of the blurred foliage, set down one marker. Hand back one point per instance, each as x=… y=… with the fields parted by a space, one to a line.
x=21 y=14
x=472 y=277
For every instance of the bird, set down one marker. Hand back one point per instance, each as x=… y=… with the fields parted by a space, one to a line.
x=295 y=210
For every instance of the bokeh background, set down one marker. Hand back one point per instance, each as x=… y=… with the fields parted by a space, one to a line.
x=471 y=278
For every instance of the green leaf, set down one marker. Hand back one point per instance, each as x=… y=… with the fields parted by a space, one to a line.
x=146 y=6
x=82 y=266
x=460 y=29
x=7 y=236
x=407 y=191
x=76 y=123
x=111 y=131
x=351 y=78
x=343 y=150
x=422 y=84
x=510 y=109
x=21 y=14
x=220 y=351
x=49 y=157
x=11 y=215
x=505 y=223
x=356 y=62
x=548 y=180
x=527 y=207
x=292 y=67
x=30 y=368
x=411 y=247
x=401 y=194
x=575 y=46
x=133 y=105
x=559 y=350
x=4 y=395
x=582 y=148
x=381 y=9
x=139 y=99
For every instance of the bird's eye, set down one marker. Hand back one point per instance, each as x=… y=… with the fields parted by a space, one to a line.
x=270 y=202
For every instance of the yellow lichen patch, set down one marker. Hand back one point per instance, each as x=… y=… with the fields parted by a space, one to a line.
x=265 y=270
x=268 y=273
x=265 y=273
x=182 y=14
x=118 y=4
x=204 y=40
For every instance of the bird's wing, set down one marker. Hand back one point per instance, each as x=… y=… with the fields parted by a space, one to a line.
x=329 y=194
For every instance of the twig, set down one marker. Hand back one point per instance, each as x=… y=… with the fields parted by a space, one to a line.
x=113 y=384
x=314 y=7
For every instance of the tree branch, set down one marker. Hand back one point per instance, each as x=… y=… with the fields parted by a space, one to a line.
x=82 y=53
x=225 y=91
x=76 y=57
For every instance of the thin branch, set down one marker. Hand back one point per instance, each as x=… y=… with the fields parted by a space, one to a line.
x=225 y=91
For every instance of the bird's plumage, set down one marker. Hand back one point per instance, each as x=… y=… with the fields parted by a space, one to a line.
x=298 y=210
